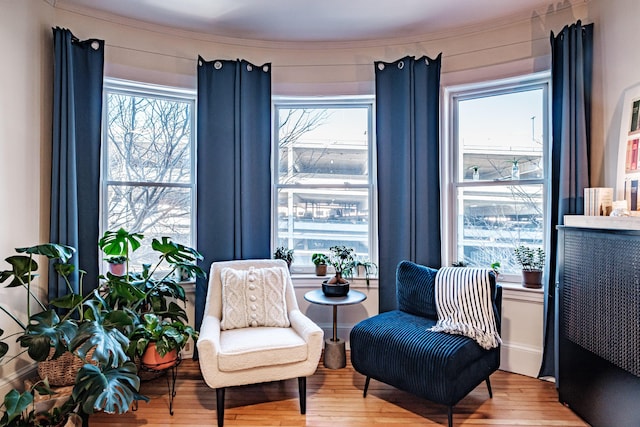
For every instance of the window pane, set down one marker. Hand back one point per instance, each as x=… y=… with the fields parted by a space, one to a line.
x=148 y=139
x=323 y=178
x=313 y=220
x=148 y=180
x=498 y=130
x=323 y=145
x=492 y=220
x=154 y=211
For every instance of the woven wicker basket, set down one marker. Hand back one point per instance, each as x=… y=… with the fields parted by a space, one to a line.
x=63 y=370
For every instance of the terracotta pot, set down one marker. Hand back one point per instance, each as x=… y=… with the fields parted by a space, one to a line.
x=117 y=269
x=532 y=279
x=152 y=359
x=321 y=270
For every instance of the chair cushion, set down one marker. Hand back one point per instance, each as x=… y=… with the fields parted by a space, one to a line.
x=262 y=346
x=415 y=289
x=253 y=297
x=398 y=349
x=464 y=300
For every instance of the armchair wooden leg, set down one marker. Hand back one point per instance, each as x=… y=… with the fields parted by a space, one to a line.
x=450 y=415
x=302 y=390
x=366 y=386
x=220 y=405
x=489 y=387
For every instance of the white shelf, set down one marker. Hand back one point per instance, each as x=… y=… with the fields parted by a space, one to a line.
x=606 y=222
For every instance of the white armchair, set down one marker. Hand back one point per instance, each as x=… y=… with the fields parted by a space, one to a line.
x=262 y=336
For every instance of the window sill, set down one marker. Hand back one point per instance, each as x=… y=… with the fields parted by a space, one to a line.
x=515 y=291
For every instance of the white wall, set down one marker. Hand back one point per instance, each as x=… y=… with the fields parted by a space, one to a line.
x=25 y=129
x=616 y=69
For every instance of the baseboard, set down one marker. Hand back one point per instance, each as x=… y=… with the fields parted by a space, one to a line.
x=520 y=359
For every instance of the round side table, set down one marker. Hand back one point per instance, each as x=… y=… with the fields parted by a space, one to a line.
x=335 y=355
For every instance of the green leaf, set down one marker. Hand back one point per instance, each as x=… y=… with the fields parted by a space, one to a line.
x=121 y=290
x=21 y=271
x=111 y=390
x=50 y=250
x=116 y=243
x=67 y=301
x=64 y=269
x=110 y=344
x=175 y=253
x=15 y=403
x=45 y=331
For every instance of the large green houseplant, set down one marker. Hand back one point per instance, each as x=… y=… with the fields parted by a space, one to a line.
x=107 y=381
x=95 y=328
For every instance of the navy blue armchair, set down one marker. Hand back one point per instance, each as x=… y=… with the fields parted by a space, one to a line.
x=397 y=347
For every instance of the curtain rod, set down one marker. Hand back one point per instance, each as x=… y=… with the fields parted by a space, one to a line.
x=195 y=59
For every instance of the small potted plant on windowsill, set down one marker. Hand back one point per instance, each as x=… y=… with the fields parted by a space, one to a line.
x=117 y=265
x=285 y=254
x=366 y=268
x=532 y=262
x=320 y=261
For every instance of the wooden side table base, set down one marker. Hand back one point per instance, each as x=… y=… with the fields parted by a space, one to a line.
x=335 y=356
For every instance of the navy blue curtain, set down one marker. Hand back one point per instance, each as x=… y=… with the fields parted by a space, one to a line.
x=407 y=137
x=571 y=74
x=234 y=164
x=75 y=168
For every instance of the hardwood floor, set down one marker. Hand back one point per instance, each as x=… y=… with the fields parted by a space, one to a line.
x=334 y=399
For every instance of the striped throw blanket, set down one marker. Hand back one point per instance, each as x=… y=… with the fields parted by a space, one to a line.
x=464 y=306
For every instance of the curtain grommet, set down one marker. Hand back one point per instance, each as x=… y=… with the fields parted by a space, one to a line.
x=380 y=66
x=265 y=68
x=400 y=65
x=217 y=65
x=95 y=45
x=249 y=67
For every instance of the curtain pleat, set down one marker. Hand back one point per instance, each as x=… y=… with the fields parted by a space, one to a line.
x=571 y=74
x=75 y=168
x=407 y=138
x=233 y=164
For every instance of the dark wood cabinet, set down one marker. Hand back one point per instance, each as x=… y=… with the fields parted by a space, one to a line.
x=598 y=322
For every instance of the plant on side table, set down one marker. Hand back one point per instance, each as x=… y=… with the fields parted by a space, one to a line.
x=532 y=262
x=341 y=259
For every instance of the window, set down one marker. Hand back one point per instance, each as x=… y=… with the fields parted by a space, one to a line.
x=323 y=177
x=148 y=162
x=497 y=153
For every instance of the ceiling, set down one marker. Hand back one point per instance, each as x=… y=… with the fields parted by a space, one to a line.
x=313 y=20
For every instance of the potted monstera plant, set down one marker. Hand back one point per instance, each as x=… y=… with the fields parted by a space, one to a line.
x=89 y=331
x=94 y=329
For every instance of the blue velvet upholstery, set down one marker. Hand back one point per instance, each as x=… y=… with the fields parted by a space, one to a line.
x=397 y=348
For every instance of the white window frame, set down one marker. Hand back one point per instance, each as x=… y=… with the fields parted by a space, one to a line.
x=449 y=149
x=366 y=101
x=126 y=87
